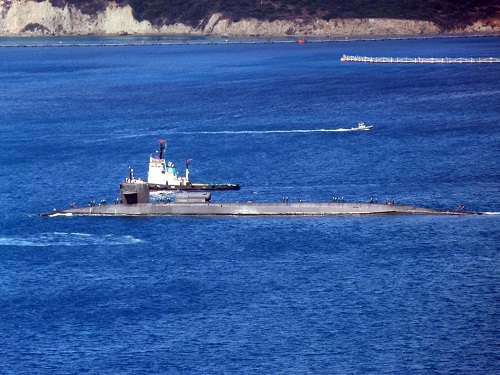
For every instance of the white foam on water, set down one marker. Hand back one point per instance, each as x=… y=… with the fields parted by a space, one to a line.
x=490 y=213
x=231 y=132
x=68 y=239
x=273 y=131
x=15 y=241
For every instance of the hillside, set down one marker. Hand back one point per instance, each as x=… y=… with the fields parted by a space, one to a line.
x=249 y=18
x=446 y=14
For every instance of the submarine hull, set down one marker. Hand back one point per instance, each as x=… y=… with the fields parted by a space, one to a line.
x=252 y=209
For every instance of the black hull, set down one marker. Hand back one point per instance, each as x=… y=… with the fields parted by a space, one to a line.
x=194 y=187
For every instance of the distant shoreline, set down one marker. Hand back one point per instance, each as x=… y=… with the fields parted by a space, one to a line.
x=170 y=40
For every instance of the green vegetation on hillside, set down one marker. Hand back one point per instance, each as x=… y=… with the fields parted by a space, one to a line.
x=445 y=13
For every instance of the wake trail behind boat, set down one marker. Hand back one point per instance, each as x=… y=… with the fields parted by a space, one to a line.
x=272 y=131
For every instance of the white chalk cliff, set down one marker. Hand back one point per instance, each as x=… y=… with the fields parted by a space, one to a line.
x=26 y=17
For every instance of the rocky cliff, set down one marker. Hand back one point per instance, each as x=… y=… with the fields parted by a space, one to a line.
x=26 y=17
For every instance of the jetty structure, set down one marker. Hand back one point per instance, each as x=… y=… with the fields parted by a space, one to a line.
x=162 y=175
x=420 y=60
x=135 y=201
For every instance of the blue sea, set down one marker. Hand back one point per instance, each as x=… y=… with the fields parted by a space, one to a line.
x=266 y=295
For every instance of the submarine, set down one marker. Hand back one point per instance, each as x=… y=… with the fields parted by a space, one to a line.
x=162 y=175
x=135 y=201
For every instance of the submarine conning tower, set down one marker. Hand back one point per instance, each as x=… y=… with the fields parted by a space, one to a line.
x=134 y=191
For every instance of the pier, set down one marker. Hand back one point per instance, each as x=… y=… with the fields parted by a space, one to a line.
x=420 y=60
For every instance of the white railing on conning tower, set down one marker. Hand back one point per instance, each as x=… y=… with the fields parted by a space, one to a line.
x=420 y=60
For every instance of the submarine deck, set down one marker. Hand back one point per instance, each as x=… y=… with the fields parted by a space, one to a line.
x=251 y=209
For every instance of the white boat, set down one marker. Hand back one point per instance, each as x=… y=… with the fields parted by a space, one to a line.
x=362 y=126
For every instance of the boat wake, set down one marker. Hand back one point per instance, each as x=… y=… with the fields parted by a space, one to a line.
x=273 y=131
x=231 y=132
x=68 y=239
x=491 y=213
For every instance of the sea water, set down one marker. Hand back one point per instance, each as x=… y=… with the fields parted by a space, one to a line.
x=408 y=294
